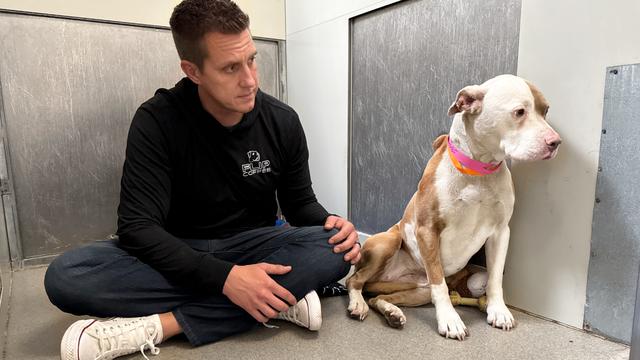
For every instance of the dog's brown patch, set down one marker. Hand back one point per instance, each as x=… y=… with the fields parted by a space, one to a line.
x=413 y=297
x=429 y=223
x=540 y=103
x=438 y=142
x=376 y=252
x=388 y=287
x=380 y=248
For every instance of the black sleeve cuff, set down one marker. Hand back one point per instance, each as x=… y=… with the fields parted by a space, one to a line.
x=212 y=273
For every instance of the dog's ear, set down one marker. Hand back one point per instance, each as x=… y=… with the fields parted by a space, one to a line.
x=468 y=99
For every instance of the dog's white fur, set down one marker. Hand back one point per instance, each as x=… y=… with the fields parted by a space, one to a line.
x=452 y=215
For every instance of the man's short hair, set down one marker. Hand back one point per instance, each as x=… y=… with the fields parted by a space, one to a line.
x=193 y=19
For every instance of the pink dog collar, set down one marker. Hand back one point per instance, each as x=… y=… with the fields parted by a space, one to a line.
x=467 y=165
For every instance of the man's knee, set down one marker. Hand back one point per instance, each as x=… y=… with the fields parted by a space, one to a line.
x=334 y=262
x=315 y=262
x=55 y=283
x=68 y=277
x=330 y=265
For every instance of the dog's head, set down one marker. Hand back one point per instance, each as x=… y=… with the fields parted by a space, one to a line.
x=507 y=114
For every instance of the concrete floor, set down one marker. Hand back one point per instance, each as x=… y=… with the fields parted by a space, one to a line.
x=34 y=328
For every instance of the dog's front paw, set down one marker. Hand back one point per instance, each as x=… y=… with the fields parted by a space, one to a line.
x=450 y=325
x=358 y=308
x=499 y=316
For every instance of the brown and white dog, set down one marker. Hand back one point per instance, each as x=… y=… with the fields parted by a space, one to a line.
x=453 y=214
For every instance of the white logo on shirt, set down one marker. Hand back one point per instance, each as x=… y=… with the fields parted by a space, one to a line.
x=255 y=166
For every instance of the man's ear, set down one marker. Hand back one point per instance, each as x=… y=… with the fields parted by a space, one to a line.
x=191 y=70
x=469 y=99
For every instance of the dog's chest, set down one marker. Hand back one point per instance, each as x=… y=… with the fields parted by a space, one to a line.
x=473 y=210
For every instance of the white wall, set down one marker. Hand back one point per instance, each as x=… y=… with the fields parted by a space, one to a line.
x=318 y=87
x=267 y=16
x=565 y=47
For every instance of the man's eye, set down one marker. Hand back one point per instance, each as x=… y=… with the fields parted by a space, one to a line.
x=231 y=68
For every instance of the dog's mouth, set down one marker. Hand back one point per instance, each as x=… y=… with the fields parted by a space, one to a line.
x=547 y=155
x=550 y=155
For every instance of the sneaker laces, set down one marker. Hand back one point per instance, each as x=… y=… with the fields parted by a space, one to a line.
x=291 y=315
x=152 y=348
x=118 y=337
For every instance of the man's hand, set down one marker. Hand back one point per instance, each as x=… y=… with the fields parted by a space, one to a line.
x=346 y=238
x=251 y=288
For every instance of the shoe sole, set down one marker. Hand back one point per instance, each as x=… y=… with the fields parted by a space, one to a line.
x=69 y=346
x=313 y=302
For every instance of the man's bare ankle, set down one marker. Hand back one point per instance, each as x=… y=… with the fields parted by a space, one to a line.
x=170 y=326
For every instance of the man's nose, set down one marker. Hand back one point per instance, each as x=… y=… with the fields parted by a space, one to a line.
x=247 y=77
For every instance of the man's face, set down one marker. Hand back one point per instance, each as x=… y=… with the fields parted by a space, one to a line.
x=228 y=78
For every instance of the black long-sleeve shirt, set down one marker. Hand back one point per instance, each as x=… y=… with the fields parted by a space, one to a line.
x=187 y=176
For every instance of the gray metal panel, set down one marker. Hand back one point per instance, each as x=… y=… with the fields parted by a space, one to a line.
x=615 y=239
x=407 y=63
x=268 y=67
x=70 y=89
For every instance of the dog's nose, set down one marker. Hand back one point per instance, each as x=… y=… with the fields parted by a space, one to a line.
x=553 y=142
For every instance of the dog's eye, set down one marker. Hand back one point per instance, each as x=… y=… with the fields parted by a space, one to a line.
x=519 y=113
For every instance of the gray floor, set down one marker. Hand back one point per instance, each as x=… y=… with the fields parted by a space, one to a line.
x=35 y=328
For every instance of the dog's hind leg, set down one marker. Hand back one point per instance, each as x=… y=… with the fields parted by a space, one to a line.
x=388 y=304
x=376 y=252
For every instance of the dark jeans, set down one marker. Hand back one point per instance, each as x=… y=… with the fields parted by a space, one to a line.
x=102 y=280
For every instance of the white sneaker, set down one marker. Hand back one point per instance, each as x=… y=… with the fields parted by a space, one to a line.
x=108 y=339
x=306 y=313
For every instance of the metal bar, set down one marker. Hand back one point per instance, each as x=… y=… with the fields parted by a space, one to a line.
x=79 y=18
x=5 y=295
x=9 y=245
x=282 y=71
x=635 y=333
